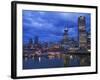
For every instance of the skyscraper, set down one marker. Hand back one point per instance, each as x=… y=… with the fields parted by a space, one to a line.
x=65 y=36
x=65 y=41
x=82 y=32
x=37 y=44
x=30 y=44
x=88 y=41
x=36 y=40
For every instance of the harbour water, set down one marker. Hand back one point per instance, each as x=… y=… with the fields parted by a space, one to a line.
x=46 y=61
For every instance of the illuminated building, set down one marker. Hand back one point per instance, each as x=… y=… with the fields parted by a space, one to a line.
x=36 y=40
x=65 y=41
x=65 y=36
x=88 y=41
x=73 y=46
x=37 y=45
x=82 y=33
x=30 y=44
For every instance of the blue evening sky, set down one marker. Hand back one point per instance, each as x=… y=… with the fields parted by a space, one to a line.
x=49 y=26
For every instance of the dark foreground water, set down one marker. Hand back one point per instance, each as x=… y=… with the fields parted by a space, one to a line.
x=45 y=62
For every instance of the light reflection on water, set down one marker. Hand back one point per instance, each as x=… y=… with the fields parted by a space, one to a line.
x=54 y=62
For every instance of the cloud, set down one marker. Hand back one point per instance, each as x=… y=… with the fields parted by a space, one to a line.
x=37 y=21
x=50 y=25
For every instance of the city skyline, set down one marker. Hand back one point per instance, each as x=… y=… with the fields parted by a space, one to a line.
x=49 y=26
x=55 y=37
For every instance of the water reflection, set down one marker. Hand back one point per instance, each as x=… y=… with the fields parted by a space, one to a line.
x=53 y=61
